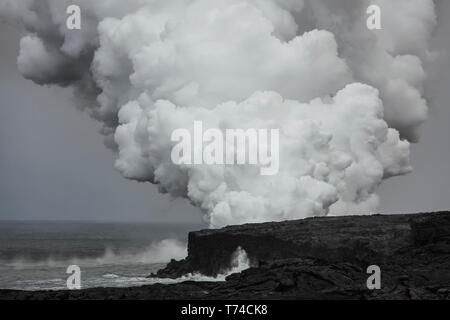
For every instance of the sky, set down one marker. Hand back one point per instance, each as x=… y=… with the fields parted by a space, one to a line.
x=53 y=165
x=427 y=187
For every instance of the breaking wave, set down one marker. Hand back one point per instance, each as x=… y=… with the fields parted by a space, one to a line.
x=239 y=262
x=158 y=252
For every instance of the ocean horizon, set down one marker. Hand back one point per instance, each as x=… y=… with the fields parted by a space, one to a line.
x=34 y=255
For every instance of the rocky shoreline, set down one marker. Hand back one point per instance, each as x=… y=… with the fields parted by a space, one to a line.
x=314 y=258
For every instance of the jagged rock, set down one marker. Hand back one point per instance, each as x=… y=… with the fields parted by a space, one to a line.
x=361 y=239
x=315 y=258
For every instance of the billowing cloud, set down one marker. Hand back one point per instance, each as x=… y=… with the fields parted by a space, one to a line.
x=346 y=99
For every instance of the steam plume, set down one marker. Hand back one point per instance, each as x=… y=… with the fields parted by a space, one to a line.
x=347 y=100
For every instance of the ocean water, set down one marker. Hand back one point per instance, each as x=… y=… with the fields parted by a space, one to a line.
x=35 y=255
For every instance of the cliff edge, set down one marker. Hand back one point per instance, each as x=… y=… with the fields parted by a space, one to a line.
x=361 y=240
x=314 y=258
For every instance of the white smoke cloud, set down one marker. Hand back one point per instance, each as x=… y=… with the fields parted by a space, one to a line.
x=346 y=99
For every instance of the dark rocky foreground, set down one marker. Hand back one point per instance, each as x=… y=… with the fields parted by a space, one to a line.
x=315 y=258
